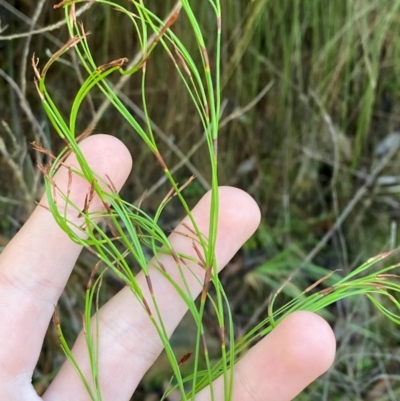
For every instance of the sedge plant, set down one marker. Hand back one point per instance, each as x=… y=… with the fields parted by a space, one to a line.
x=129 y=232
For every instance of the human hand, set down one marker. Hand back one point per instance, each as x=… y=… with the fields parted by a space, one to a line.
x=35 y=267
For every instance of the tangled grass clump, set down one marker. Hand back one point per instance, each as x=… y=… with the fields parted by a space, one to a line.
x=129 y=232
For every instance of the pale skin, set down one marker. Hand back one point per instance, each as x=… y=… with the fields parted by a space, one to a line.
x=35 y=267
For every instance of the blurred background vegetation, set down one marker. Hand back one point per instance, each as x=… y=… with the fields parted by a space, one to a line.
x=310 y=123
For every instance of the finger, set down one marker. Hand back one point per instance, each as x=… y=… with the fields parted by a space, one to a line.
x=128 y=342
x=36 y=264
x=299 y=350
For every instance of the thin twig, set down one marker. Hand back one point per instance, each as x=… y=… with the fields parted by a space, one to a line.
x=26 y=108
x=237 y=113
x=17 y=173
x=25 y=52
x=41 y=30
x=349 y=208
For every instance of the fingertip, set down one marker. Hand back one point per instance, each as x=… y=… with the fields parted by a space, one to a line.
x=239 y=217
x=299 y=350
x=310 y=342
x=238 y=203
x=101 y=149
x=237 y=211
x=106 y=155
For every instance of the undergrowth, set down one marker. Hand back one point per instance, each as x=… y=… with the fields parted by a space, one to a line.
x=303 y=98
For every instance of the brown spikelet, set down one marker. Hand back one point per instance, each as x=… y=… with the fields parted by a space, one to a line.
x=69 y=185
x=35 y=63
x=171 y=20
x=183 y=234
x=61 y=4
x=107 y=207
x=191 y=179
x=279 y=290
x=160 y=160
x=111 y=186
x=45 y=169
x=66 y=2
x=70 y=43
x=202 y=262
x=185 y=358
x=326 y=291
x=42 y=98
x=91 y=250
x=385 y=276
x=168 y=196
x=162 y=267
x=183 y=62
x=88 y=199
x=92 y=275
x=190 y=229
x=149 y=284
x=56 y=317
x=312 y=286
x=206 y=284
x=175 y=256
x=72 y=13
x=114 y=231
x=115 y=63
x=206 y=59
x=84 y=134
x=147 y=307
